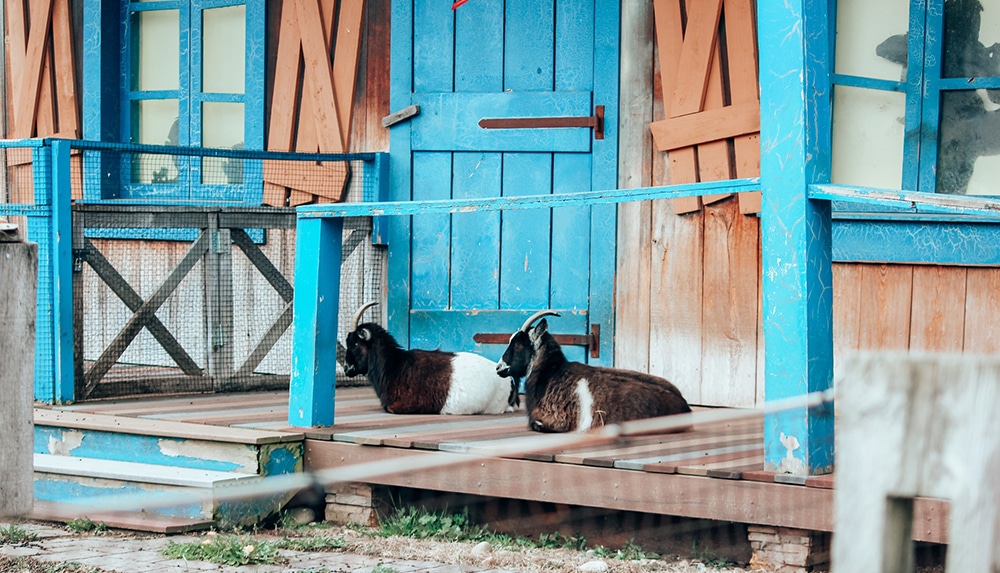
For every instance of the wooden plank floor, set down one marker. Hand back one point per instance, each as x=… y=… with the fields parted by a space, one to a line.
x=713 y=471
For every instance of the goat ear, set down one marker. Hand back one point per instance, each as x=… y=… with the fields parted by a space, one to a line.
x=364 y=334
x=536 y=333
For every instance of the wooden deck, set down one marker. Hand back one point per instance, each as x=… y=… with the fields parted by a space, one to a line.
x=713 y=471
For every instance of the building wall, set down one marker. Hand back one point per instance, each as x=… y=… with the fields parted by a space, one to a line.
x=688 y=287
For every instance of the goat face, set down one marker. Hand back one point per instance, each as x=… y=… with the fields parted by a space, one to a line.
x=358 y=345
x=516 y=359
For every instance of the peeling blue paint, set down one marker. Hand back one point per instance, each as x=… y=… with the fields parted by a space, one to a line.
x=64 y=490
x=281 y=459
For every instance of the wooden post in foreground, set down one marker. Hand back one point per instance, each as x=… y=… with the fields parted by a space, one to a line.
x=917 y=425
x=19 y=269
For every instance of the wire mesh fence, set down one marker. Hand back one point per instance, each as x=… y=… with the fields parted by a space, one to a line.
x=183 y=260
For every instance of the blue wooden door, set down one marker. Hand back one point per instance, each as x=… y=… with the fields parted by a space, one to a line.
x=453 y=277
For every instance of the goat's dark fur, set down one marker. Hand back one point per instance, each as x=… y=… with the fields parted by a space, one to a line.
x=553 y=388
x=424 y=381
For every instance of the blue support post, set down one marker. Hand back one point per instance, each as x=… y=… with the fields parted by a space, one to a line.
x=62 y=273
x=317 y=300
x=796 y=244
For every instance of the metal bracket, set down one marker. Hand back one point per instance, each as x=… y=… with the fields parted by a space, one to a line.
x=595 y=121
x=590 y=341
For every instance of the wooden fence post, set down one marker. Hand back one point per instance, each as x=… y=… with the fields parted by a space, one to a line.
x=917 y=425
x=19 y=269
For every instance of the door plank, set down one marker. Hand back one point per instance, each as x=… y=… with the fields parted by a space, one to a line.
x=530 y=60
x=26 y=89
x=431 y=242
x=475 y=241
x=526 y=235
x=710 y=125
x=938 y=315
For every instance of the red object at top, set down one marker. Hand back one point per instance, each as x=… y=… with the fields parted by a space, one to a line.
x=458 y=3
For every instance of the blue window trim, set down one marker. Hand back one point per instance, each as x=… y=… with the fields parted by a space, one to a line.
x=891 y=231
x=107 y=107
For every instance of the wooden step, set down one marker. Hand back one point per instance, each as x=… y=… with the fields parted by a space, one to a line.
x=164 y=442
x=190 y=492
x=135 y=521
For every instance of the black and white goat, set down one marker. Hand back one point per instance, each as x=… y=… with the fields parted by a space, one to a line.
x=425 y=381
x=564 y=396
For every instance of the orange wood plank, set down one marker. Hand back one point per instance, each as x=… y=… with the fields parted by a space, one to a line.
x=325 y=179
x=345 y=63
x=741 y=39
x=937 y=321
x=886 y=292
x=296 y=198
x=700 y=40
x=68 y=106
x=281 y=131
x=707 y=126
x=982 y=306
x=307 y=135
x=713 y=157
x=317 y=67
x=28 y=86
x=16 y=36
x=670 y=44
x=45 y=112
x=373 y=96
x=275 y=195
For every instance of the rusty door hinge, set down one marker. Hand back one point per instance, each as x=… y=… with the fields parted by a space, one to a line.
x=595 y=121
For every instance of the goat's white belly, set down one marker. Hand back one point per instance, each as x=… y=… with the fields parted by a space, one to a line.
x=475 y=387
x=586 y=401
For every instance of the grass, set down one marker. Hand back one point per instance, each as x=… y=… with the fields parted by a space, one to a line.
x=383 y=568
x=16 y=535
x=245 y=549
x=443 y=526
x=86 y=525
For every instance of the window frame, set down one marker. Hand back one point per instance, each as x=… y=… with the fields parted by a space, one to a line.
x=107 y=58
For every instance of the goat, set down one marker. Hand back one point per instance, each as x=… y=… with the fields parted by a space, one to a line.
x=424 y=381
x=564 y=396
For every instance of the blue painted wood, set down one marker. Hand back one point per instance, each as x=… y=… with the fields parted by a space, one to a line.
x=796 y=248
x=40 y=231
x=914 y=100
x=479 y=28
x=317 y=282
x=932 y=242
x=932 y=62
x=604 y=158
x=431 y=242
x=433 y=46
x=867 y=83
x=450 y=121
x=475 y=242
x=400 y=96
x=529 y=50
x=62 y=273
x=525 y=254
x=911 y=201
x=453 y=330
x=571 y=236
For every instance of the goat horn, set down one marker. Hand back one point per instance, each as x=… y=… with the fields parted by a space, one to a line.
x=357 y=315
x=536 y=316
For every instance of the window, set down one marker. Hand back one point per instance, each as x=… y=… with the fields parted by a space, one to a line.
x=191 y=74
x=916 y=101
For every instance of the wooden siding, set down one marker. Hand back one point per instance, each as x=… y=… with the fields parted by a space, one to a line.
x=700 y=273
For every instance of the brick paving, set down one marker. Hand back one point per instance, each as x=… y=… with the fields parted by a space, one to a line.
x=57 y=545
